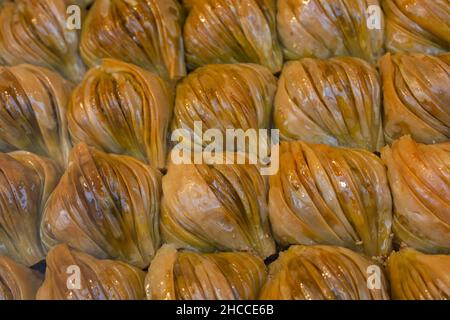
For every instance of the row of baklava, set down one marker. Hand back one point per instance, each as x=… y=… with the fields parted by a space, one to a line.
x=300 y=273
x=123 y=109
x=159 y=34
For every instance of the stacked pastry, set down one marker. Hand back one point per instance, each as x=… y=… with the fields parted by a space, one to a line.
x=92 y=103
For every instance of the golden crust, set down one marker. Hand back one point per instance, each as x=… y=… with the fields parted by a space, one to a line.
x=106 y=205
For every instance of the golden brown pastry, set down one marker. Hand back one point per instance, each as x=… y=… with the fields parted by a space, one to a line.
x=143 y=32
x=33 y=103
x=35 y=31
x=334 y=196
x=225 y=96
x=419 y=176
x=185 y=275
x=417 y=25
x=26 y=181
x=121 y=108
x=73 y=275
x=324 y=29
x=105 y=205
x=417 y=276
x=416 y=97
x=216 y=207
x=17 y=282
x=323 y=273
x=232 y=31
x=335 y=102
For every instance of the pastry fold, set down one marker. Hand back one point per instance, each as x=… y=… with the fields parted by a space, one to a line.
x=36 y=32
x=17 y=282
x=147 y=33
x=417 y=26
x=106 y=205
x=33 y=103
x=123 y=109
x=185 y=275
x=417 y=276
x=232 y=31
x=216 y=207
x=335 y=102
x=324 y=29
x=324 y=273
x=73 y=275
x=419 y=177
x=332 y=196
x=26 y=181
x=416 y=96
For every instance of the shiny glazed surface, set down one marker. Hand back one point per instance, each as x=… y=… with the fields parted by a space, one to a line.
x=321 y=273
x=121 y=108
x=419 y=177
x=333 y=196
x=99 y=279
x=105 y=205
x=186 y=275
x=335 y=102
